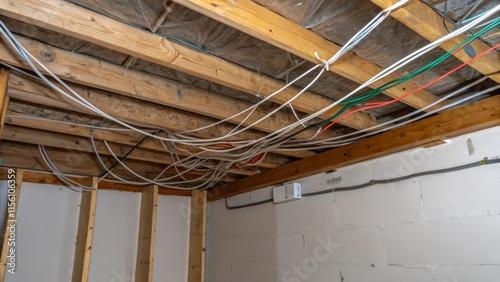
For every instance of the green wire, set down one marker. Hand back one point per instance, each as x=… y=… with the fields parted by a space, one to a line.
x=348 y=103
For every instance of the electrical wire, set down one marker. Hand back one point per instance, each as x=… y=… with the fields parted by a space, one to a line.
x=381 y=104
x=247 y=152
x=377 y=181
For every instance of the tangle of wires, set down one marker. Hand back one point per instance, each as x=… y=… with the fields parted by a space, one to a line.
x=215 y=157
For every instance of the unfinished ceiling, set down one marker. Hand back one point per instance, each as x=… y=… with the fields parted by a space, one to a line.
x=182 y=71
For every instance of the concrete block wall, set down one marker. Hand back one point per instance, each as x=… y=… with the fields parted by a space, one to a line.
x=241 y=244
x=437 y=228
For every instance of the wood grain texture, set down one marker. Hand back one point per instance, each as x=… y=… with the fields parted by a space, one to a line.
x=473 y=117
x=147 y=234
x=74 y=162
x=138 y=112
x=197 y=230
x=429 y=24
x=85 y=231
x=45 y=178
x=75 y=21
x=106 y=76
x=4 y=99
x=251 y=18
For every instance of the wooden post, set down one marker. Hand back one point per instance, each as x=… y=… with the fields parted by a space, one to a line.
x=14 y=182
x=85 y=231
x=197 y=236
x=4 y=99
x=147 y=234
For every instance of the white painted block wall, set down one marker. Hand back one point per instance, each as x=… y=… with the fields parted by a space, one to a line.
x=438 y=228
x=47 y=220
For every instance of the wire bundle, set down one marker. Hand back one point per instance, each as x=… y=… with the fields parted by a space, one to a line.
x=214 y=157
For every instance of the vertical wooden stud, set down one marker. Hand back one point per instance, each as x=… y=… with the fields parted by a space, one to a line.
x=197 y=236
x=147 y=234
x=85 y=231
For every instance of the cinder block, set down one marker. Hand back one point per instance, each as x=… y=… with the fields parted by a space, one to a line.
x=218 y=249
x=353 y=174
x=379 y=203
x=239 y=248
x=308 y=272
x=486 y=142
x=218 y=272
x=462 y=193
x=463 y=273
x=253 y=220
x=263 y=248
x=290 y=247
x=386 y=274
x=471 y=240
x=357 y=245
x=251 y=272
x=218 y=219
x=306 y=214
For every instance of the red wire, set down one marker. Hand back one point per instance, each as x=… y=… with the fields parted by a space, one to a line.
x=254 y=159
x=380 y=104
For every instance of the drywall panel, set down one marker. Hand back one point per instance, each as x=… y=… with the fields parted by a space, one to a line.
x=172 y=239
x=116 y=229
x=47 y=221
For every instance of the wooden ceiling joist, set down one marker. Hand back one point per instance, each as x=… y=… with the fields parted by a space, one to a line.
x=253 y=19
x=27 y=156
x=148 y=85
x=429 y=24
x=106 y=76
x=138 y=113
x=78 y=22
x=64 y=141
x=119 y=137
x=46 y=178
x=469 y=118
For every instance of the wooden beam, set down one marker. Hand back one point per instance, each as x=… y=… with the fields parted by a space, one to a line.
x=197 y=229
x=4 y=99
x=14 y=182
x=147 y=233
x=46 y=178
x=476 y=116
x=19 y=110
x=78 y=144
x=256 y=20
x=81 y=23
x=429 y=24
x=106 y=76
x=138 y=112
x=73 y=162
x=85 y=232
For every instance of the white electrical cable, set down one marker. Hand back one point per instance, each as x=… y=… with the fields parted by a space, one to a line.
x=227 y=157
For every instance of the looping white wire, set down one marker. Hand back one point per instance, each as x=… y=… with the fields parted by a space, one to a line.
x=325 y=63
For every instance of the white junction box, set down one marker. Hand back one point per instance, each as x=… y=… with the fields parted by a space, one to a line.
x=287 y=192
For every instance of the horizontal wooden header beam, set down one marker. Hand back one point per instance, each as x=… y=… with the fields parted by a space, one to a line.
x=45 y=178
x=75 y=21
x=254 y=19
x=473 y=117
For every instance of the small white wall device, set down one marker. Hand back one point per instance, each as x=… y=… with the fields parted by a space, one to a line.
x=286 y=193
